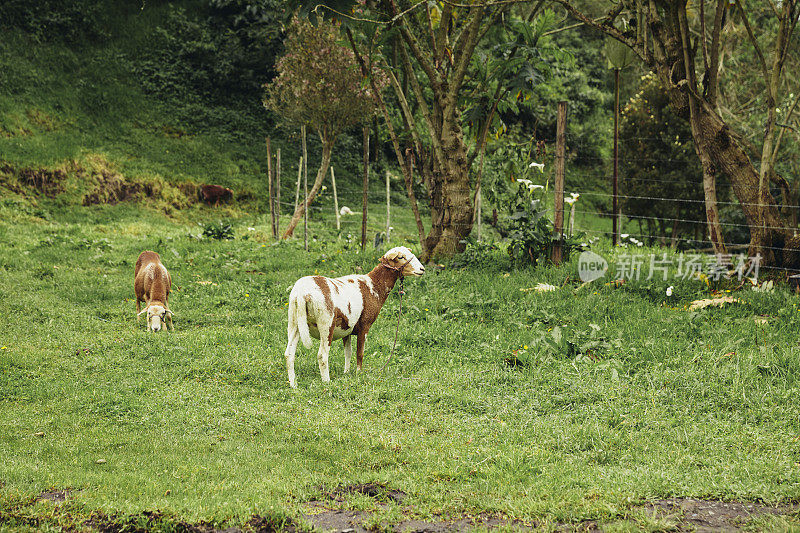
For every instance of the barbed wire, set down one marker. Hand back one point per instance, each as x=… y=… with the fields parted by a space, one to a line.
x=688 y=220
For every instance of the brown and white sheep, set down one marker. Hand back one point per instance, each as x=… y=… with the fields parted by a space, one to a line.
x=330 y=309
x=152 y=283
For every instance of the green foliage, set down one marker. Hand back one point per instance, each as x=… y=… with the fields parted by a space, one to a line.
x=319 y=82
x=217 y=230
x=73 y=21
x=480 y=255
x=532 y=234
x=226 y=49
x=659 y=161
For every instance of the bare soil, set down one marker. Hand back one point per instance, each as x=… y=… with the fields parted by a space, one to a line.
x=682 y=514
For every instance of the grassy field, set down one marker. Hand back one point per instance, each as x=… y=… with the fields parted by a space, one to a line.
x=558 y=406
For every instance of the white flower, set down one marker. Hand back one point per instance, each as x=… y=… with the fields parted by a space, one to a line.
x=530 y=185
x=640 y=243
x=251 y=229
x=346 y=211
x=669 y=290
x=571 y=200
x=575 y=195
x=540 y=166
x=625 y=235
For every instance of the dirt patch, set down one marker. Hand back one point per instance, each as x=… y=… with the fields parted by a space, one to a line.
x=708 y=515
x=349 y=521
x=58 y=496
x=45 y=181
x=684 y=514
x=379 y=491
x=113 y=188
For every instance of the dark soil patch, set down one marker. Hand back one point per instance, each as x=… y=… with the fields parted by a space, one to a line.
x=687 y=514
x=113 y=188
x=58 y=496
x=44 y=181
x=349 y=521
x=378 y=491
x=708 y=515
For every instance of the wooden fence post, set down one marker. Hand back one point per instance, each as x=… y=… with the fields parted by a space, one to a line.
x=558 y=218
x=478 y=209
x=299 y=177
x=269 y=187
x=277 y=192
x=336 y=201
x=388 y=205
x=305 y=188
x=615 y=216
x=366 y=184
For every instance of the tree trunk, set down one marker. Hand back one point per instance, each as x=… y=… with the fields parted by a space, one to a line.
x=327 y=148
x=451 y=202
x=720 y=149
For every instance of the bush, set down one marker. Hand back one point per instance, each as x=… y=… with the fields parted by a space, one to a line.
x=217 y=230
x=533 y=234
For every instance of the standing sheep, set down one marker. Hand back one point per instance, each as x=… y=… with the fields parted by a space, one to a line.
x=330 y=309
x=152 y=283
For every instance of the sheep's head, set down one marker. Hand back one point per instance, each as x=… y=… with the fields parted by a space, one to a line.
x=157 y=316
x=402 y=259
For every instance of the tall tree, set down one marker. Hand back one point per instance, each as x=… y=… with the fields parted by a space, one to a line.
x=319 y=84
x=667 y=37
x=430 y=51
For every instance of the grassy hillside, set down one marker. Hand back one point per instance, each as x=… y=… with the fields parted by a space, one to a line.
x=75 y=116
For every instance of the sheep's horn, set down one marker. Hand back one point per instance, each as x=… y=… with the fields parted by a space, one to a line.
x=170 y=312
x=143 y=311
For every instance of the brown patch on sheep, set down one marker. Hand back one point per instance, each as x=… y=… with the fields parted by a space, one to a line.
x=322 y=283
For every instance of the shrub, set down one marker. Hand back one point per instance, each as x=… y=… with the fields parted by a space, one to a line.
x=217 y=230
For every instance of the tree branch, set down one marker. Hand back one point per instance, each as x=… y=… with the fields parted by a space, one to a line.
x=712 y=74
x=415 y=49
x=761 y=60
x=423 y=106
x=611 y=31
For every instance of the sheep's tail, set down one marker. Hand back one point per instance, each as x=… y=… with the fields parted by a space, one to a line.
x=298 y=320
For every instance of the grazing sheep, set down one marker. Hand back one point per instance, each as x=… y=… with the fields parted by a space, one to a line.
x=152 y=283
x=212 y=194
x=330 y=309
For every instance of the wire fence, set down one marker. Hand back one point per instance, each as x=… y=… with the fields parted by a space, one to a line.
x=667 y=211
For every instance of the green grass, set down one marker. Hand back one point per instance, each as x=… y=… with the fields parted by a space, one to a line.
x=639 y=400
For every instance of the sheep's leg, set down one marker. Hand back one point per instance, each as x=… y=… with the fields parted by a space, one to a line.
x=360 y=342
x=324 y=350
x=138 y=310
x=347 y=353
x=291 y=348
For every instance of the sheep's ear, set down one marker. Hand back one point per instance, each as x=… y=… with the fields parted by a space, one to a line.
x=170 y=313
x=391 y=256
x=143 y=311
